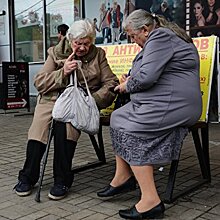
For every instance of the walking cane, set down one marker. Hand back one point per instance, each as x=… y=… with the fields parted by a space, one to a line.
x=50 y=136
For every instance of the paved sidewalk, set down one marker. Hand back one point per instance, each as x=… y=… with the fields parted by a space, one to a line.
x=82 y=202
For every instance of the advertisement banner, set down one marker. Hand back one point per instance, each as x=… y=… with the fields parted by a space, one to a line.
x=15 y=85
x=120 y=59
x=207 y=49
x=204 y=18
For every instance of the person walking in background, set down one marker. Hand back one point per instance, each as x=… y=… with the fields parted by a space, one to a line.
x=62 y=30
x=95 y=24
x=150 y=128
x=50 y=81
x=116 y=17
x=104 y=25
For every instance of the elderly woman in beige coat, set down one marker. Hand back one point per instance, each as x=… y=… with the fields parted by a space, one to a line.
x=50 y=81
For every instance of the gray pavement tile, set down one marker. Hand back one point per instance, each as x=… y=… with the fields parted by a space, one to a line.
x=81 y=214
x=189 y=214
x=96 y=216
x=82 y=201
x=215 y=210
x=3 y=218
x=35 y=215
x=16 y=211
x=6 y=204
x=50 y=217
x=105 y=211
x=196 y=206
x=79 y=200
x=209 y=216
x=89 y=204
x=57 y=211
x=113 y=218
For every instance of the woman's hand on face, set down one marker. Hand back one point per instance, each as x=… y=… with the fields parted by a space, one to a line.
x=70 y=65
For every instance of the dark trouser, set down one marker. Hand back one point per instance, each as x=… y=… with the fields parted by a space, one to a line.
x=34 y=153
x=63 y=154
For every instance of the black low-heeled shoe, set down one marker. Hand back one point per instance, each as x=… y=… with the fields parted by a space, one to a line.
x=132 y=213
x=128 y=186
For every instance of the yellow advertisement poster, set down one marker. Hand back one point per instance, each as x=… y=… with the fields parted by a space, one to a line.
x=206 y=47
x=120 y=59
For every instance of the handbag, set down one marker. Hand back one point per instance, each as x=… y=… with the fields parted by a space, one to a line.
x=76 y=106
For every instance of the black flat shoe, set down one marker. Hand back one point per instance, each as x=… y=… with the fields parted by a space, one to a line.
x=132 y=213
x=129 y=185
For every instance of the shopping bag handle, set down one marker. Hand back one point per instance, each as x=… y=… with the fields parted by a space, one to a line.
x=73 y=78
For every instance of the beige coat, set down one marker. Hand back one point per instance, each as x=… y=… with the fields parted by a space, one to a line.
x=50 y=80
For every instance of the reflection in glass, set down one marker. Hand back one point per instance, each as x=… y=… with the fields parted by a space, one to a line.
x=58 y=12
x=29 y=30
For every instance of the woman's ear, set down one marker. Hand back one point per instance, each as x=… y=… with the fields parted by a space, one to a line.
x=146 y=30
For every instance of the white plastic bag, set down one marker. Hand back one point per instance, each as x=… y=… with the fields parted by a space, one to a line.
x=77 y=107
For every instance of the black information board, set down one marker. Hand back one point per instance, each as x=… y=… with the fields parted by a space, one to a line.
x=15 y=85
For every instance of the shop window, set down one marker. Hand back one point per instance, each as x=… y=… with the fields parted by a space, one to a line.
x=28 y=30
x=58 y=12
x=29 y=25
x=108 y=16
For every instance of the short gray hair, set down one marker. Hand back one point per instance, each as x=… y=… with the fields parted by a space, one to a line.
x=138 y=19
x=81 y=29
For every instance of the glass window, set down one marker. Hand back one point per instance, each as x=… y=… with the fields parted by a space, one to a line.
x=29 y=30
x=107 y=17
x=29 y=21
x=59 y=12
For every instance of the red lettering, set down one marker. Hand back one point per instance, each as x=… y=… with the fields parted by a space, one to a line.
x=196 y=42
x=123 y=50
x=137 y=49
x=201 y=44
x=129 y=49
x=204 y=44
x=116 y=51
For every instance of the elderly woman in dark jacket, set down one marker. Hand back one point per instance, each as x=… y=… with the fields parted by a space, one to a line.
x=52 y=79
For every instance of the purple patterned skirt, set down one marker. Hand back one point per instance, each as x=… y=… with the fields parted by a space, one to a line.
x=139 y=151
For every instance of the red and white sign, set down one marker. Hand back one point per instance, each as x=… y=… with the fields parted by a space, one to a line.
x=16 y=103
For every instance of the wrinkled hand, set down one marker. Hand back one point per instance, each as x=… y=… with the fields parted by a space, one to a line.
x=121 y=88
x=70 y=65
x=123 y=78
